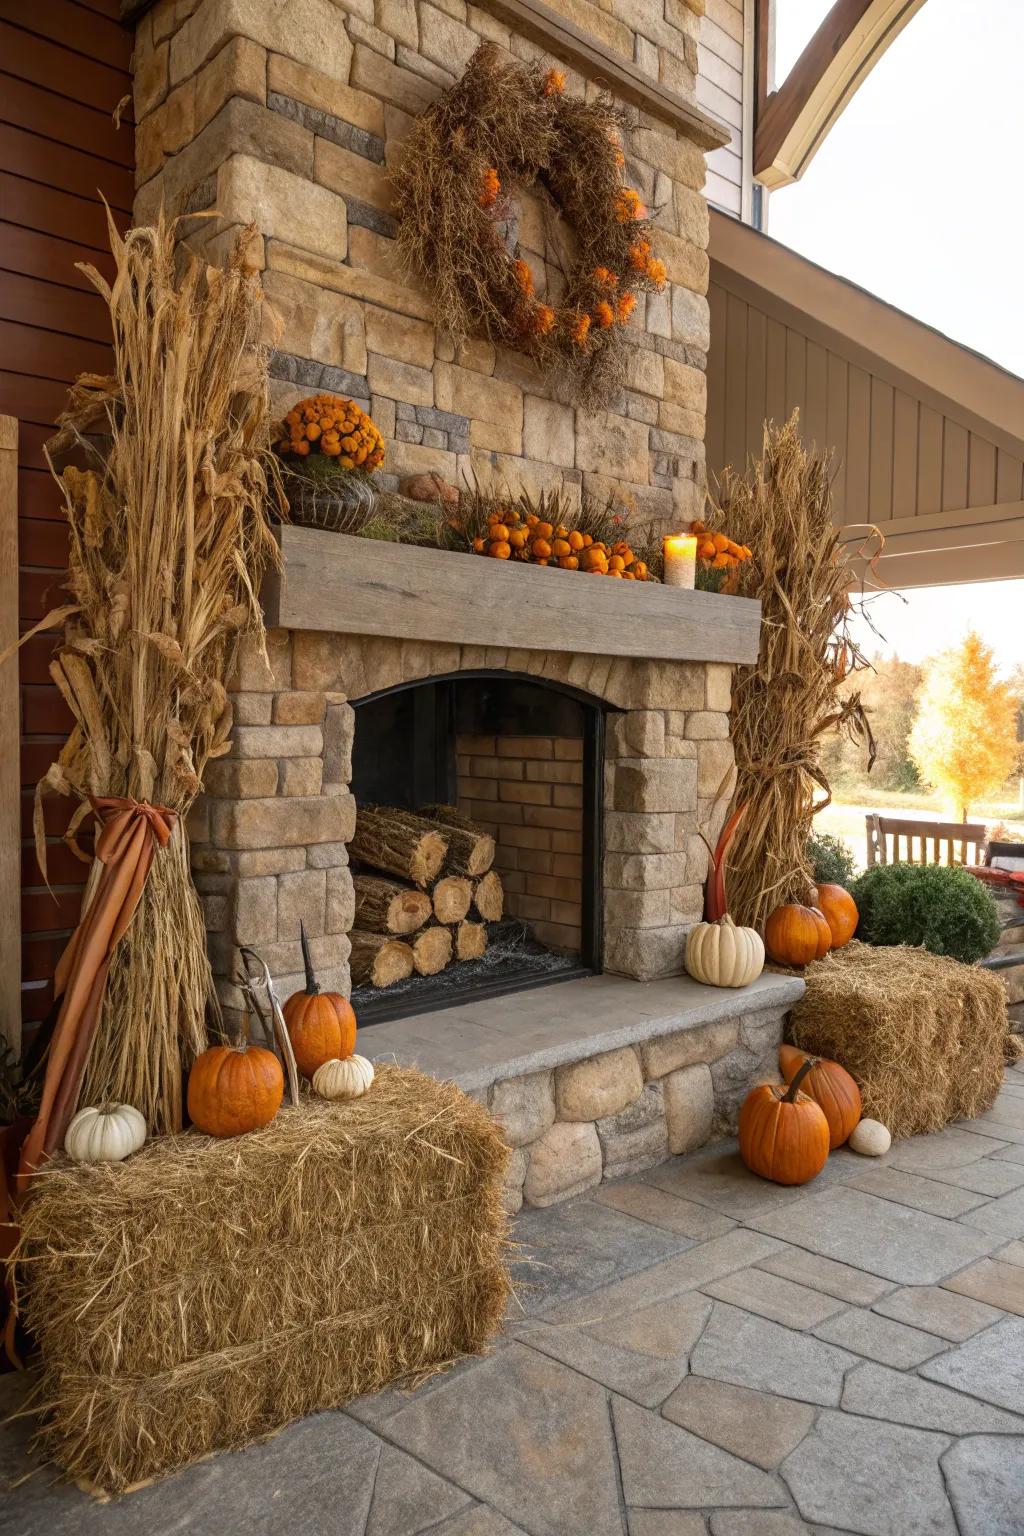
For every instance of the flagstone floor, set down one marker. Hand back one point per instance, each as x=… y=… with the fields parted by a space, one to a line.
x=698 y=1353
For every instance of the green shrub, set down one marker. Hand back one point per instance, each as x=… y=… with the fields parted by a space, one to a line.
x=945 y=909
x=831 y=858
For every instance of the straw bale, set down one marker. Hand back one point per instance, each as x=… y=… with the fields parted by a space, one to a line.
x=205 y=1293
x=922 y=1034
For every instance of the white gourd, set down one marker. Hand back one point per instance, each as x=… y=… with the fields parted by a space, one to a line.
x=722 y=955
x=348 y=1078
x=870 y=1138
x=105 y=1134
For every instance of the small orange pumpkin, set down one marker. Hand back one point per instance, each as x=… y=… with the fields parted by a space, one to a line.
x=839 y=910
x=830 y=1086
x=796 y=935
x=234 y=1088
x=783 y=1134
x=321 y=1025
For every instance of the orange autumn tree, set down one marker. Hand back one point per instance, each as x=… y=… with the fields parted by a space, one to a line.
x=963 y=739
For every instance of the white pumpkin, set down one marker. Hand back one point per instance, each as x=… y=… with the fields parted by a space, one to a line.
x=348 y=1078
x=722 y=955
x=105 y=1134
x=870 y=1138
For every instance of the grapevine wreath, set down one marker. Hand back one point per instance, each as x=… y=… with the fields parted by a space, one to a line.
x=501 y=129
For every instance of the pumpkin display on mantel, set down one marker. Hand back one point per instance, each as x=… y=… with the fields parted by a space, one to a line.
x=321 y=1025
x=839 y=910
x=233 y=1089
x=347 y=1079
x=722 y=955
x=796 y=935
x=783 y=1133
x=106 y=1133
x=830 y=1086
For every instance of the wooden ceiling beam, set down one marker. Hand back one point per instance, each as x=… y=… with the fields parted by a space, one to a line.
x=794 y=120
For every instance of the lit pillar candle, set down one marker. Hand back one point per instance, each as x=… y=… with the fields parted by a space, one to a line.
x=680 y=560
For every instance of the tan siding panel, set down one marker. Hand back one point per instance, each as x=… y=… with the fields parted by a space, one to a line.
x=723 y=194
x=727 y=77
x=715 y=433
x=775 y=371
x=929 y=462
x=858 y=445
x=836 y=426
x=720 y=102
x=904 y=455
x=1009 y=478
x=735 y=382
x=816 y=397
x=757 y=350
x=728 y=17
x=981 y=476
x=796 y=373
x=715 y=39
x=727 y=164
x=954 y=466
x=880 y=463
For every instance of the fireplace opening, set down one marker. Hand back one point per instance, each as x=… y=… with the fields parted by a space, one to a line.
x=503 y=757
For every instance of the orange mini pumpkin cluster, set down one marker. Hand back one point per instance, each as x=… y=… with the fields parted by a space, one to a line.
x=511 y=536
x=334 y=426
x=718 y=551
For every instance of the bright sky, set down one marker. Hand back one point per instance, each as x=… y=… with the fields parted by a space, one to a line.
x=915 y=195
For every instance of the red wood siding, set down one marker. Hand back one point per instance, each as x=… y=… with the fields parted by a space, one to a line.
x=64 y=67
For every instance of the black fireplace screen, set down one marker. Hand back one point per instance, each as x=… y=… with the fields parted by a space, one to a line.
x=523 y=759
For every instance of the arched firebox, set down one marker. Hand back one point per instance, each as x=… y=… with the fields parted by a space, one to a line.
x=521 y=758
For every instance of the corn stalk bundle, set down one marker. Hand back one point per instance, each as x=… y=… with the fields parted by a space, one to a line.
x=168 y=543
x=785 y=705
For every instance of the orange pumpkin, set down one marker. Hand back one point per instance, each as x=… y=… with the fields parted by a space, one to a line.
x=839 y=910
x=830 y=1086
x=234 y=1088
x=783 y=1134
x=796 y=935
x=321 y=1025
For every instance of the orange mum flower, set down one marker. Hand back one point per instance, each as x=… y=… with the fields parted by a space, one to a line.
x=554 y=82
x=628 y=205
x=604 y=314
x=656 y=272
x=639 y=253
x=604 y=278
x=620 y=159
x=490 y=186
x=625 y=307
x=543 y=320
x=581 y=329
x=524 y=277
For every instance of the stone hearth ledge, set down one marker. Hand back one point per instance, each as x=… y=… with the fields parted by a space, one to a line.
x=599 y=1078
x=481 y=1043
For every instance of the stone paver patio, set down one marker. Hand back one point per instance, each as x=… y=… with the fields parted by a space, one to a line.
x=697 y=1353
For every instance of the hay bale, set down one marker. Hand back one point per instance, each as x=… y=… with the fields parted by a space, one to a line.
x=922 y=1034
x=204 y=1293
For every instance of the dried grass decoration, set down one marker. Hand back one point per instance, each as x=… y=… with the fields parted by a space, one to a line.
x=792 y=698
x=921 y=1034
x=501 y=130
x=205 y=1292
x=168 y=542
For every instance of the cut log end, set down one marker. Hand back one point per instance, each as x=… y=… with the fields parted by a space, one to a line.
x=489 y=897
x=428 y=858
x=470 y=941
x=399 y=843
x=431 y=951
x=386 y=906
x=378 y=959
x=452 y=897
x=470 y=849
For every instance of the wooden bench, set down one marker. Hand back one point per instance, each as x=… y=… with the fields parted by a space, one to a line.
x=938 y=842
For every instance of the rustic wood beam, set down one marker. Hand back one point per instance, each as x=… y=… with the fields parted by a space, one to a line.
x=10 y=732
x=794 y=120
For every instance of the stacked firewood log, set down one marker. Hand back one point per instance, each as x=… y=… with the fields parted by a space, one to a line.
x=425 y=892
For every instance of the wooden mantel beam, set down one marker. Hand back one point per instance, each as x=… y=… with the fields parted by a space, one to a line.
x=795 y=119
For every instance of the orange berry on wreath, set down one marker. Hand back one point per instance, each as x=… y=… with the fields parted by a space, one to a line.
x=479 y=546
x=490 y=186
x=625 y=306
x=575 y=540
x=569 y=563
x=604 y=315
x=524 y=277
x=581 y=330
x=639 y=254
x=656 y=273
x=604 y=277
x=554 y=82
x=561 y=548
x=541 y=549
x=500 y=550
x=543 y=320
x=628 y=205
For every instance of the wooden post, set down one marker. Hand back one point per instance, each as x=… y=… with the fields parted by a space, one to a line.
x=10 y=732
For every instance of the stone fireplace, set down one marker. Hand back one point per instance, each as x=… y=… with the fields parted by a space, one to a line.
x=586 y=719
